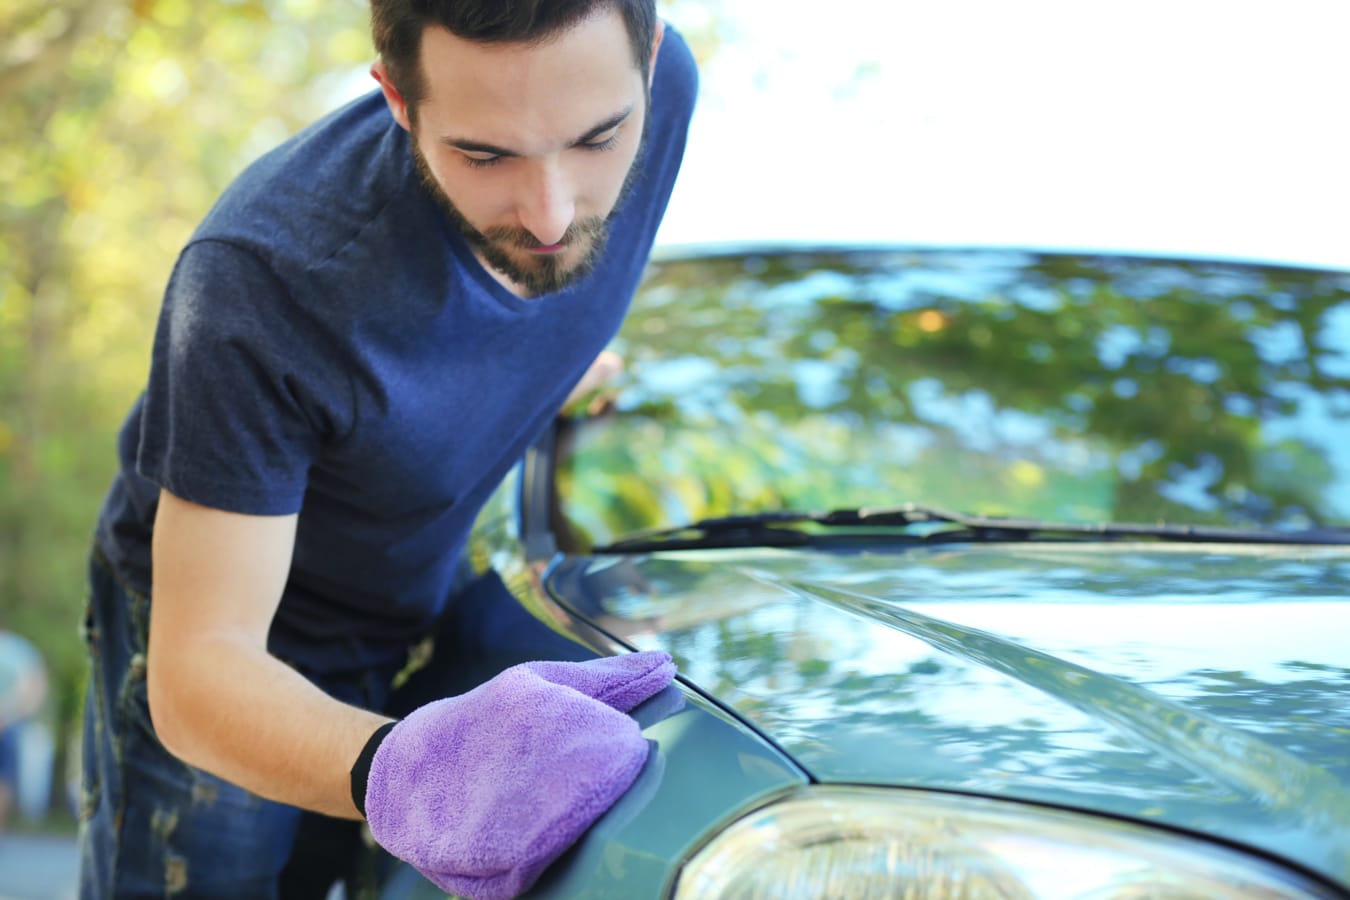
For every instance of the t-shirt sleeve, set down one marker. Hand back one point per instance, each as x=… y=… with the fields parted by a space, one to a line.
x=238 y=404
x=677 y=73
x=674 y=94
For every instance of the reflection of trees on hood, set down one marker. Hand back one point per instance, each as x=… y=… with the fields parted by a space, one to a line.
x=1063 y=386
x=879 y=719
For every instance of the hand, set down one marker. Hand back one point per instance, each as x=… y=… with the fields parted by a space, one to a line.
x=603 y=370
x=482 y=791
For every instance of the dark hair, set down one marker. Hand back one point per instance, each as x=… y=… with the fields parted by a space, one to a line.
x=397 y=25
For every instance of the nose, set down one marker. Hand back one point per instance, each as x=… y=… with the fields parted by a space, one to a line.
x=545 y=205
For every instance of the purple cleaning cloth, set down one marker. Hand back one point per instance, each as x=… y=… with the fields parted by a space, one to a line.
x=482 y=791
x=618 y=681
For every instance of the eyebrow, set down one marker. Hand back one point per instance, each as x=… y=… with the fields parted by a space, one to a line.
x=471 y=146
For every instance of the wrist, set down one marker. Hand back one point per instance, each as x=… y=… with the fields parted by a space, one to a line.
x=360 y=772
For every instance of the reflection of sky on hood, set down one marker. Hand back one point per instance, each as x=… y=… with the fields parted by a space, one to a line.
x=1201 y=686
x=1166 y=648
x=1179 y=622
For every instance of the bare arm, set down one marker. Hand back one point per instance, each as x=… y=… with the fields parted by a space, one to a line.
x=218 y=699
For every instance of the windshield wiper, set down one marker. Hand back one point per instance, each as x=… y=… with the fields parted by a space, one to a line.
x=783 y=528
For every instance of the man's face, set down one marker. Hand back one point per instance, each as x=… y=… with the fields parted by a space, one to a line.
x=529 y=147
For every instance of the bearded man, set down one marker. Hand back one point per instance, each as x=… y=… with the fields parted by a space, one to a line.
x=358 y=342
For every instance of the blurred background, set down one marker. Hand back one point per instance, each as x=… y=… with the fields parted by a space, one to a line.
x=1185 y=127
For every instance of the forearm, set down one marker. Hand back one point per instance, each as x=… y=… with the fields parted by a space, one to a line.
x=218 y=699
x=226 y=706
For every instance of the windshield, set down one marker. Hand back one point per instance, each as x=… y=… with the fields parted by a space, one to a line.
x=1062 y=387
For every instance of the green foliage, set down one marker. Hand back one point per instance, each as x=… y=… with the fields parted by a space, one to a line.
x=123 y=121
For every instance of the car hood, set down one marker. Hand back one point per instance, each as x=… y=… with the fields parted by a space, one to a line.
x=1204 y=687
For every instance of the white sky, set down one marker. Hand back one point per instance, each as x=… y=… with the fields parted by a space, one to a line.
x=1179 y=126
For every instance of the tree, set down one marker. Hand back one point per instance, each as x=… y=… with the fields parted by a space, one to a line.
x=123 y=122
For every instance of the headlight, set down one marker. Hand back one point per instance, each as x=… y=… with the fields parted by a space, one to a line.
x=836 y=842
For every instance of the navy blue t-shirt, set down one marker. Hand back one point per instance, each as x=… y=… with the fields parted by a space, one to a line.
x=330 y=346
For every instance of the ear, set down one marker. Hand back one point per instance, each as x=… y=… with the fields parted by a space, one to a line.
x=657 y=35
x=398 y=107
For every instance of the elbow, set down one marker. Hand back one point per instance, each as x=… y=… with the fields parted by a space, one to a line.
x=169 y=714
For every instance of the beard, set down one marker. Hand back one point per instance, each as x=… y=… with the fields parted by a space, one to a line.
x=542 y=273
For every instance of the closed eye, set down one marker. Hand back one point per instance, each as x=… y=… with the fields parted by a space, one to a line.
x=477 y=155
x=601 y=145
x=482 y=162
x=605 y=135
x=598 y=146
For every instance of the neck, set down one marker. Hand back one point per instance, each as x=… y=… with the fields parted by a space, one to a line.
x=503 y=279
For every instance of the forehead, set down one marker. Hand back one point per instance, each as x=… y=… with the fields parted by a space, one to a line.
x=530 y=92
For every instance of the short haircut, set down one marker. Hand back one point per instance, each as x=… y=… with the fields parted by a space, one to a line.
x=397 y=26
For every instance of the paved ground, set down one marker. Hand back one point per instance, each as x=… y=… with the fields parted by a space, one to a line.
x=36 y=867
x=42 y=867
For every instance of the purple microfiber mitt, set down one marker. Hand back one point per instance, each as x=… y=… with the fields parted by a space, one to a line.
x=482 y=791
x=618 y=681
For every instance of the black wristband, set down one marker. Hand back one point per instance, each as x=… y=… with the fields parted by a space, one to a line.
x=361 y=771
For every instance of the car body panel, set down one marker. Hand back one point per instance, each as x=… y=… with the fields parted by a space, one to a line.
x=1198 y=687
x=706 y=765
x=703 y=768
x=1192 y=688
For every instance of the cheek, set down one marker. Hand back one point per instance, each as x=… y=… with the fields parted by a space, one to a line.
x=473 y=193
x=606 y=172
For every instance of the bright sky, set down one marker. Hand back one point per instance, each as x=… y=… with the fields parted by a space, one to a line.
x=1179 y=126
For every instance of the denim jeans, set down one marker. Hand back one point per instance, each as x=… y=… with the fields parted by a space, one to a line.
x=153 y=826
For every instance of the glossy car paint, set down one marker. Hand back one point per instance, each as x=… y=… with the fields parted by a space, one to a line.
x=703 y=768
x=706 y=766
x=1200 y=687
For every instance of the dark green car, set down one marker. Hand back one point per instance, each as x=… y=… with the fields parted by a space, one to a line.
x=989 y=574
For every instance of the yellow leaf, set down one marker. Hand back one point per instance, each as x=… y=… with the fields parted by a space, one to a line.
x=1027 y=474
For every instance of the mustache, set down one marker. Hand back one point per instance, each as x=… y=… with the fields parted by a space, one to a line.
x=522 y=239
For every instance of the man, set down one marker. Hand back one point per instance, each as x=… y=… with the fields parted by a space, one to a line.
x=25 y=739
x=360 y=339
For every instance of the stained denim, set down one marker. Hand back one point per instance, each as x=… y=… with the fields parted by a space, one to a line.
x=182 y=831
